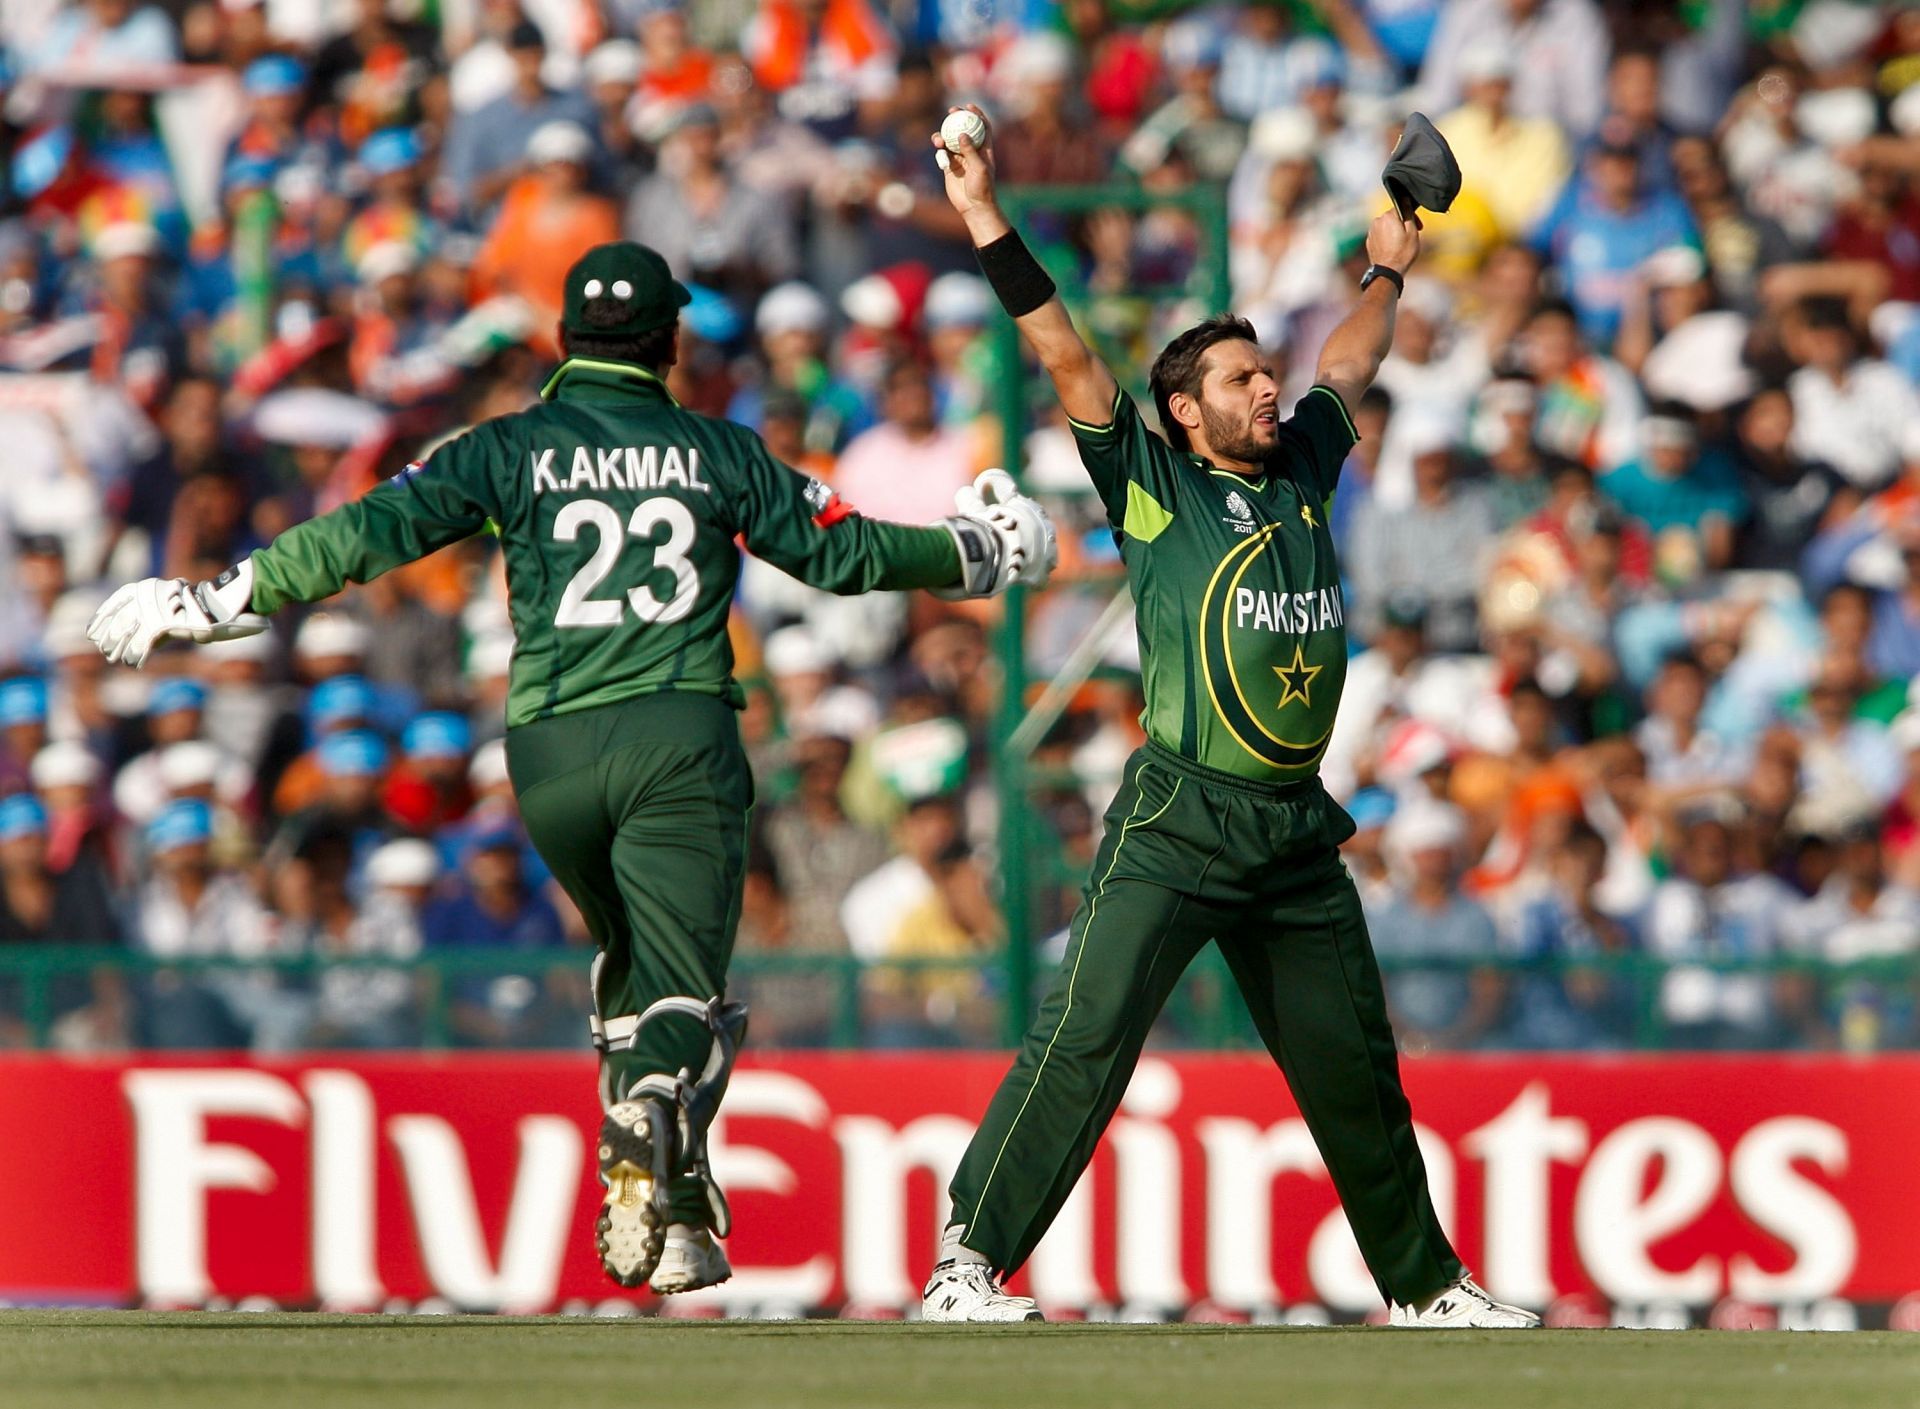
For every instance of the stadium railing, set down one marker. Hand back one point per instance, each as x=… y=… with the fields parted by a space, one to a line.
x=52 y=997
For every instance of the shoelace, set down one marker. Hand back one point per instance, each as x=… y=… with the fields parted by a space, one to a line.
x=981 y=1278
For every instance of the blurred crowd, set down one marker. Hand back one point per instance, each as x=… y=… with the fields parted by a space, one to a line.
x=1632 y=536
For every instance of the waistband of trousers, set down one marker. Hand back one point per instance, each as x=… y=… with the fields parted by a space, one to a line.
x=1288 y=788
x=561 y=743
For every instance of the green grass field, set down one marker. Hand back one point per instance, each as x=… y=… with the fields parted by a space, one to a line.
x=106 y=1359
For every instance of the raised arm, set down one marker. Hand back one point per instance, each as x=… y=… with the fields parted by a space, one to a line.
x=1355 y=349
x=1081 y=380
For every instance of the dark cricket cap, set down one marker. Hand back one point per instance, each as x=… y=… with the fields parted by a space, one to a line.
x=1422 y=172
x=635 y=278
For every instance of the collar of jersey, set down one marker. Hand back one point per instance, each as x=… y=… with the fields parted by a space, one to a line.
x=589 y=379
x=1200 y=462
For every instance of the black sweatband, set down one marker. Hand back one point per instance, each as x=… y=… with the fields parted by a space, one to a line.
x=1016 y=276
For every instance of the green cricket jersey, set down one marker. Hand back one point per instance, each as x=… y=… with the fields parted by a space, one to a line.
x=1243 y=639
x=617 y=513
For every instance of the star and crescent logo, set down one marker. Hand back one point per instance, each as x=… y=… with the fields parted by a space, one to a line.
x=1296 y=679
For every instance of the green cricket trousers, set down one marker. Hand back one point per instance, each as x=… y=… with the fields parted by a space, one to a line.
x=1193 y=855
x=640 y=809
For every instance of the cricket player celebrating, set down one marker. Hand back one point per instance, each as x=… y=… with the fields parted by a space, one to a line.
x=617 y=513
x=1221 y=830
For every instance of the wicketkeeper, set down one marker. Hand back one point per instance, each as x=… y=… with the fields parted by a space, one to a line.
x=617 y=513
x=1221 y=832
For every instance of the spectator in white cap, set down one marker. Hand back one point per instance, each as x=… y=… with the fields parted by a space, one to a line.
x=489 y=675
x=548 y=219
x=1282 y=254
x=488 y=777
x=1516 y=164
x=1452 y=1006
x=955 y=317
x=1431 y=372
x=792 y=321
x=361 y=1006
x=803 y=677
x=329 y=644
x=1047 y=137
x=66 y=776
x=611 y=72
x=150 y=351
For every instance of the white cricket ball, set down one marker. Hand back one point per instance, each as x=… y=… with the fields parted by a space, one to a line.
x=962 y=123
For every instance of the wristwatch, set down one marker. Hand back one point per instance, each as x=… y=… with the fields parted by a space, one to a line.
x=1380 y=271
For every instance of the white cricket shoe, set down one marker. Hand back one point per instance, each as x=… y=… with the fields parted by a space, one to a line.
x=691 y=1259
x=968 y=1291
x=1462 y=1306
x=633 y=1154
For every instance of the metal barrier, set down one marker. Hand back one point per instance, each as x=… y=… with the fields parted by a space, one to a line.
x=505 y=998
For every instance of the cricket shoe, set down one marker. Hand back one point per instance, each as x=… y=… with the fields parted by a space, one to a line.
x=1463 y=1306
x=968 y=1291
x=692 y=1259
x=635 y=1148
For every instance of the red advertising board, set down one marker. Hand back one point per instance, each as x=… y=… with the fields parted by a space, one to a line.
x=359 y=1180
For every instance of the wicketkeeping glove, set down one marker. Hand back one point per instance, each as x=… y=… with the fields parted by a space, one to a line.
x=142 y=614
x=1003 y=537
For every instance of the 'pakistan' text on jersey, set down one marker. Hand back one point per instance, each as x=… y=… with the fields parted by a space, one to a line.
x=1243 y=630
x=617 y=513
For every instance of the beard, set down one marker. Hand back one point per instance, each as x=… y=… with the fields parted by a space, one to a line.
x=1231 y=440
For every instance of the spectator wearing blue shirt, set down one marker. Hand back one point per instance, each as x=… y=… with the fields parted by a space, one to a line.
x=1563 y=1003
x=1688 y=498
x=1607 y=226
x=486 y=148
x=1457 y=1001
x=493 y=907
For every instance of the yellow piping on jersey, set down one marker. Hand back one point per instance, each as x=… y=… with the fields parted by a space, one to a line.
x=1206 y=670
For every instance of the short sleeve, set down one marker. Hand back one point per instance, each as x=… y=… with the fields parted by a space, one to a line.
x=1316 y=439
x=1134 y=470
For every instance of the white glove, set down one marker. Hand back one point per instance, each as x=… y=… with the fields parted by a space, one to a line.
x=142 y=614
x=1003 y=540
x=1025 y=520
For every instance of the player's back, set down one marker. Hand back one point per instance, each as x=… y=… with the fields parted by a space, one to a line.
x=619 y=515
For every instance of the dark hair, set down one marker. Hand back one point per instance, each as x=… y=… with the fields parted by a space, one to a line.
x=1826 y=313
x=1553 y=308
x=653 y=349
x=1177 y=369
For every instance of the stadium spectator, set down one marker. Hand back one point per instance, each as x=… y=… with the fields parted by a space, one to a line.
x=1715 y=907
x=1517 y=165
x=711 y=227
x=212 y=325
x=908 y=466
x=1431 y=551
x=1457 y=1001
x=491 y=907
x=487 y=147
x=1579 y=997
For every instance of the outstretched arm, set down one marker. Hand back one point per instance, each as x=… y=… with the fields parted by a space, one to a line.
x=1081 y=380
x=1355 y=349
